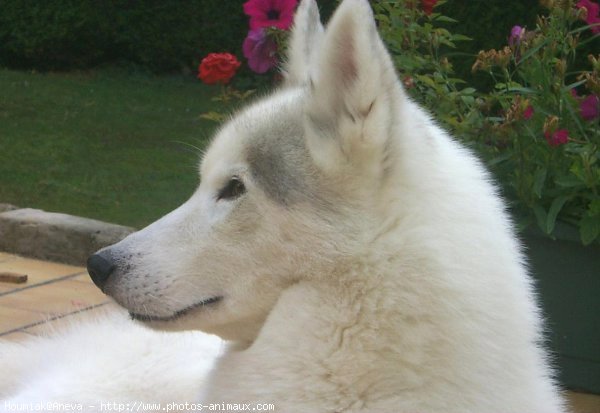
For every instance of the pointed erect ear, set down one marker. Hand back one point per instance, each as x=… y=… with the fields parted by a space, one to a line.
x=354 y=90
x=305 y=38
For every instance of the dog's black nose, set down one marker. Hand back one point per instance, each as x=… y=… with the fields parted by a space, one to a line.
x=100 y=266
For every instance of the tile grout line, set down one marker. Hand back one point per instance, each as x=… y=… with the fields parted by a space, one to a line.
x=64 y=277
x=58 y=317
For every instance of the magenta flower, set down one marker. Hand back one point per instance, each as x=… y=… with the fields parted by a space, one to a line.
x=593 y=11
x=528 y=113
x=260 y=50
x=589 y=108
x=270 y=13
x=516 y=34
x=559 y=137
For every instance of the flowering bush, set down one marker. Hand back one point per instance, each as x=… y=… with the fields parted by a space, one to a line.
x=538 y=127
x=218 y=68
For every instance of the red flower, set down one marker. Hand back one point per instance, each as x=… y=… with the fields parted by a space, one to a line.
x=557 y=138
x=589 y=108
x=528 y=113
x=428 y=6
x=593 y=10
x=218 y=68
x=270 y=13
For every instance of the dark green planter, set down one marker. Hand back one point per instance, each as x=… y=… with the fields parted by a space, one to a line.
x=568 y=280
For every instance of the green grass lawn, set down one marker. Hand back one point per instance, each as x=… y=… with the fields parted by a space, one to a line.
x=106 y=144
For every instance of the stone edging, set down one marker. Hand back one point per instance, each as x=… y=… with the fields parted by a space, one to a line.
x=55 y=237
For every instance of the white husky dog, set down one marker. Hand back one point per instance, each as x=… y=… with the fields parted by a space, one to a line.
x=355 y=257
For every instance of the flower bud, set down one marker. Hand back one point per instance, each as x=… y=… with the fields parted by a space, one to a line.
x=595 y=62
x=582 y=13
x=408 y=82
x=547 y=3
x=561 y=67
x=550 y=124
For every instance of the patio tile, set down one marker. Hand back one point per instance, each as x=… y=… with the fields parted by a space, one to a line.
x=17 y=336
x=12 y=318
x=37 y=271
x=56 y=298
x=5 y=287
x=583 y=403
x=52 y=326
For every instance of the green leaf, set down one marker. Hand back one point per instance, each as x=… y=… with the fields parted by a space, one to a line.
x=540 y=216
x=594 y=207
x=539 y=178
x=589 y=229
x=568 y=181
x=573 y=85
x=500 y=158
x=214 y=116
x=461 y=38
x=555 y=208
x=447 y=19
x=426 y=79
x=468 y=100
x=523 y=90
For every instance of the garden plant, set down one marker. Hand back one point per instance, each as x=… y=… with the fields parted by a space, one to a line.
x=536 y=127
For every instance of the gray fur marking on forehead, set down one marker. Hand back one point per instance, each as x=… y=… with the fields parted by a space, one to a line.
x=276 y=151
x=279 y=160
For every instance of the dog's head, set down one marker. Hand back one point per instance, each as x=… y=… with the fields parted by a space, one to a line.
x=290 y=188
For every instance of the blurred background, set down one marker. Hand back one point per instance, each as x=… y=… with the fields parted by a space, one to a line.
x=100 y=104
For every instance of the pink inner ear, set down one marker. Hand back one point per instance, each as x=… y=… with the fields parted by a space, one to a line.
x=346 y=56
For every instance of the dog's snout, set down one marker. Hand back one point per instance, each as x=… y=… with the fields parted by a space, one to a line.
x=100 y=266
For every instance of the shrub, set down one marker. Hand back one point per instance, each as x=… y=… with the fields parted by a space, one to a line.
x=538 y=127
x=487 y=23
x=162 y=36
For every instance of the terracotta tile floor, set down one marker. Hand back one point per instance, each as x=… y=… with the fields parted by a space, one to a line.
x=52 y=292
x=55 y=293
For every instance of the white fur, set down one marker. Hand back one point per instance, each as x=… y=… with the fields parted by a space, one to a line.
x=69 y=366
x=387 y=278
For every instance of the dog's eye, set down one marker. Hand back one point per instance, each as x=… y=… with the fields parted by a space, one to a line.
x=234 y=188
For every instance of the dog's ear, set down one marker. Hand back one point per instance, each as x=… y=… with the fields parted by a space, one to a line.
x=354 y=91
x=306 y=35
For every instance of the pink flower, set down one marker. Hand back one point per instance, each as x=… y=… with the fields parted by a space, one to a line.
x=270 y=13
x=516 y=34
x=260 y=50
x=593 y=9
x=557 y=138
x=528 y=112
x=589 y=108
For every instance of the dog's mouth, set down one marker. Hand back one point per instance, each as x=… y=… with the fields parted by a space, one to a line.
x=177 y=314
